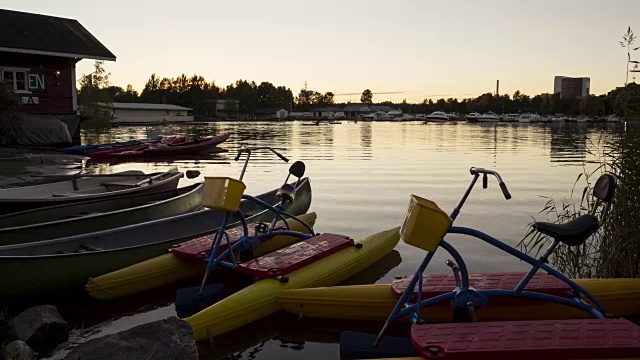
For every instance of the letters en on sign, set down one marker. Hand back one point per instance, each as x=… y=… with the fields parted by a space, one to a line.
x=36 y=82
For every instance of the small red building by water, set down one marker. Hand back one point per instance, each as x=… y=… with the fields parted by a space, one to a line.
x=38 y=56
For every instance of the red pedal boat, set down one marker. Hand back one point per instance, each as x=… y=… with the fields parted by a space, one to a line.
x=467 y=338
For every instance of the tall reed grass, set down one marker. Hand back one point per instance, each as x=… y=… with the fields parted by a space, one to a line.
x=614 y=251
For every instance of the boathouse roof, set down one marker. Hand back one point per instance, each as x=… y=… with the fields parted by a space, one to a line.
x=29 y=33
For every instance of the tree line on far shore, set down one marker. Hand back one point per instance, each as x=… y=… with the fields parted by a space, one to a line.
x=196 y=93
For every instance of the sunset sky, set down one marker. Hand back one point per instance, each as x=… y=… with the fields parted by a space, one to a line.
x=420 y=48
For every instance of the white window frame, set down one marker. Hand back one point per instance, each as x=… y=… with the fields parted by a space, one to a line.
x=15 y=70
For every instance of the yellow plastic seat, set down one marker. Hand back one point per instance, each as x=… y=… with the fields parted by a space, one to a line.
x=222 y=193
x=425 y=224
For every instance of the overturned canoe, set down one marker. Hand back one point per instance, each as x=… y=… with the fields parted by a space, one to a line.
x=61 y=264
x=168 y=269
x=85 y=217
x=83 y=188
x=261 y=298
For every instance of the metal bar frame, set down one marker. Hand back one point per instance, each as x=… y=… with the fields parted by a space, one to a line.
x=404 y=306
x=279 y=213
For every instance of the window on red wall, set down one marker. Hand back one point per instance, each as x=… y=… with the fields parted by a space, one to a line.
x=21 y=81
x=16 y=78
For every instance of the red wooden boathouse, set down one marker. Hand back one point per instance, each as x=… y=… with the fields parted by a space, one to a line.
x=38 y=56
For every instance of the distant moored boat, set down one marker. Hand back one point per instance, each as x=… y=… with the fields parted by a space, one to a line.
x=489 y=117
x=529 y=118
x=437 y=116
x=510 y=118
x=454 y=117
x=613 y=118
x=472 y=117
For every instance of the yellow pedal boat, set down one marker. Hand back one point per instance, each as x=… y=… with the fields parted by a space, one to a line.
x=168 y=269
x=261 y=298
x=620 y=297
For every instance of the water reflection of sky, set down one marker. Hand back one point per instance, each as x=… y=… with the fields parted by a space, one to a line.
x=363 y=173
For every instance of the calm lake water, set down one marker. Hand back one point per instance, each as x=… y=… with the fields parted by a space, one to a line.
x=362 y=175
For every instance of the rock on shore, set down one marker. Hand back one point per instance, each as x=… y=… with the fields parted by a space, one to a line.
x=18 y=350
x=169 y=339
x=40 y=327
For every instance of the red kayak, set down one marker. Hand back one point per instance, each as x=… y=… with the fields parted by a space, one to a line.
x=177 y=147
x=187 y=147
x=105 y=153
x=108 y=153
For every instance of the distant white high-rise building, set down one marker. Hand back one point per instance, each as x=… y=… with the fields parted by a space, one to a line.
x=569 y=87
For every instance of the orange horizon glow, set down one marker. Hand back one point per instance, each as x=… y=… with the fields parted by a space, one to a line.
x=419 y=49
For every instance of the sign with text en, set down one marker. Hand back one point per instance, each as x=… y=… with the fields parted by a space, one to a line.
x=36 y=82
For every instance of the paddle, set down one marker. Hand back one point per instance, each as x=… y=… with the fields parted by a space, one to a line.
x=194 y=299
x=192 y=173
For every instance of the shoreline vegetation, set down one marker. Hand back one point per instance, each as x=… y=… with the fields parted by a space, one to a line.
x=614 y=251
x=9 y=102
x=196 y=93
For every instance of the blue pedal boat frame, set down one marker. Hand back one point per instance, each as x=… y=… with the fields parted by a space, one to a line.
x=246 y=241
x=464 y=297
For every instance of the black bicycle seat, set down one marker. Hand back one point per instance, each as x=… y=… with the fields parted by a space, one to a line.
x=572 y=233
x=287 y=193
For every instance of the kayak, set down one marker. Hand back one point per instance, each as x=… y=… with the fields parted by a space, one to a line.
x=161 y=148
x=168 y=269
x=619 y=297
x=261 y=298
x=187 y=147
x=106 y=152
x=82 y=149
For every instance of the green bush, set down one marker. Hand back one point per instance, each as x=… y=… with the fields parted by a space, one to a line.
x=9 y=102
